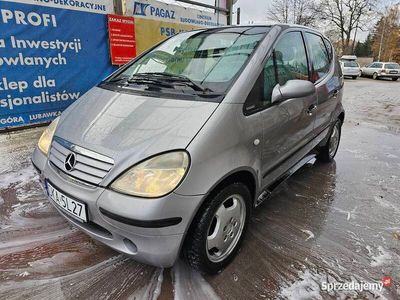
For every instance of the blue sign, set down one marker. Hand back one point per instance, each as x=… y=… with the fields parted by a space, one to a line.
x=50 y=55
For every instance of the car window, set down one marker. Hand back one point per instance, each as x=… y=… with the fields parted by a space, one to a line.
x=392 y=66
x=209 y=58
x=351 y=64
x=288 y=61
x=319 y=56
x=329 y=48
x=290 y=58
x=378 y=65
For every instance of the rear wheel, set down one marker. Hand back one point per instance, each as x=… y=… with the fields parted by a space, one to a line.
x=375 y=76
x=218 y=229
x=327 y=153
x=395 y=79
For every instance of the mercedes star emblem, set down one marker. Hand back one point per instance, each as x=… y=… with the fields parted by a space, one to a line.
x=70 y=162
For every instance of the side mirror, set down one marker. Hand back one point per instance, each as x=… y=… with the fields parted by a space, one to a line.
x=292 y=89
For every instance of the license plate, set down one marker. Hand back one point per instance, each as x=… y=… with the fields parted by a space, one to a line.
x=74 y=208
x=392 y=72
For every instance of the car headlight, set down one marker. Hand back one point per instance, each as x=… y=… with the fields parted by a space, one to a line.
x=154 y=177
x=47 y=136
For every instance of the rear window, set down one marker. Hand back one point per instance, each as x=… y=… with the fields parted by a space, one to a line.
x=392 y=66
x=350 y=64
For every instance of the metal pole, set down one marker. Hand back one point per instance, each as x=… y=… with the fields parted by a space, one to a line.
x=218 y=13
x=383 y=32
x=355 y=36
x=238 y=16
x=118 y=7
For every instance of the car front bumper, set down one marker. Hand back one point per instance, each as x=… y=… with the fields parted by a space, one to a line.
x=150 y=230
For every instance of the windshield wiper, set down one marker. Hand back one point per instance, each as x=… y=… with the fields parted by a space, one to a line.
x=174 y=78
x=117 y=79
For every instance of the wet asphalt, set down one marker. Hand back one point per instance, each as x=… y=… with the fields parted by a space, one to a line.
x=329 y=223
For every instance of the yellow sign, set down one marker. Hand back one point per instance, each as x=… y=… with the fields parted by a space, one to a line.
x=156 y=21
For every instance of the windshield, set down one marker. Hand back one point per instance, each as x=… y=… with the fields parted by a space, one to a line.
x=392 y=66
x=351 y=64
x=205 y=61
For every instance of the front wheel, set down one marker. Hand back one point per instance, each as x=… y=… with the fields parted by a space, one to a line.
x=395 y=79
x=218 y=229
x=327 y=153
x=375 y=76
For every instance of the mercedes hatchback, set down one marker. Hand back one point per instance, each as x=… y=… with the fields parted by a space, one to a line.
x=171 y=153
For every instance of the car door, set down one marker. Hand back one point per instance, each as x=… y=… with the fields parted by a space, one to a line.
x=326 y=79
x=287 y=126
x=376 y=68
x=367 y=69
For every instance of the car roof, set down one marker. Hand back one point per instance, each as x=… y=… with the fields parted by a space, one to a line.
x=283 y=26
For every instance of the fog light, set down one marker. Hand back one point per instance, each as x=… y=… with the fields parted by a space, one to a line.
x=130 y=246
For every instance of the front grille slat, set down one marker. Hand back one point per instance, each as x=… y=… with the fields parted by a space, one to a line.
x=90 y=166
x=94 y=163
x=89 y=170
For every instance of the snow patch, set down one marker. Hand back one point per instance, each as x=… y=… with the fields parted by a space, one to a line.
x=307 y=287
x=382 y=258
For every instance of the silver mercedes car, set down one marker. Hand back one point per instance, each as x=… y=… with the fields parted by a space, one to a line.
x=170 y=154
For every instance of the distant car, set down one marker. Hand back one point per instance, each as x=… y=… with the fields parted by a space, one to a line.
x=348 y=57
x=350 y=68
x=378 y=70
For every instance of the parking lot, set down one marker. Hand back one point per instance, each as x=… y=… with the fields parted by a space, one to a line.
x=337 y=222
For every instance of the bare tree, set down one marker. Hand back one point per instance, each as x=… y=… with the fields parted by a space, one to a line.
x=300 y=12
x=346 y=16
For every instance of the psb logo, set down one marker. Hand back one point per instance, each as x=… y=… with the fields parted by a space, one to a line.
x=140 y=9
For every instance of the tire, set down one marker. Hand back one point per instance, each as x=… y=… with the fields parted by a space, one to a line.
x=197 y=249
x=375 y=76
x=327 y=152
x=395 y=79
x=355 y=77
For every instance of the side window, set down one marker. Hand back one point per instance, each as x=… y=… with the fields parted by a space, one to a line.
x=288 y=61
x=329 y=48
x=319 y=56
x=379 y=66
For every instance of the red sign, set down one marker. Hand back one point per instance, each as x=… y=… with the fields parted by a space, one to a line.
x=121 y=33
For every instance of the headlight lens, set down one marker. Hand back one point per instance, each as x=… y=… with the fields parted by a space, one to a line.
x=155 y=177
x=47 y=136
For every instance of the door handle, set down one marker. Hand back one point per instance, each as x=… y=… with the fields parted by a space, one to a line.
x=311 y=109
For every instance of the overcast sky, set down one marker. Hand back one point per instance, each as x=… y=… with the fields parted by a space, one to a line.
x=255 y=11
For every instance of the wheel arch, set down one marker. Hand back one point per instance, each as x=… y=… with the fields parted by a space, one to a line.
x=246 y=176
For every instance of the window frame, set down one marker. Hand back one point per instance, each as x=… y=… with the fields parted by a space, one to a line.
x=309 y=53
x=271 y=54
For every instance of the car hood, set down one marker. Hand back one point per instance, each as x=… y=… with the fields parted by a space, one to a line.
x=129 y=128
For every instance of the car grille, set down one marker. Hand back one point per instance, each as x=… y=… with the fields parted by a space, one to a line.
x=90 y=166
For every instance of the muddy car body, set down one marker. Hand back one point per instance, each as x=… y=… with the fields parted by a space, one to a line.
x=172 y=152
